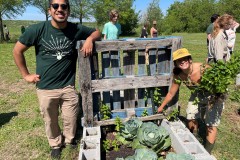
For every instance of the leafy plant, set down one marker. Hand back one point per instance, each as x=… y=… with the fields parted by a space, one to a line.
x=156 y=96
x=107 y=145
x=145 y=153
x=105 y=111
x=118 y=124
x=217 y=78
x=144 y=113
x=115 y=144
x=153 y=136
x=130 y=128
x=173 y=115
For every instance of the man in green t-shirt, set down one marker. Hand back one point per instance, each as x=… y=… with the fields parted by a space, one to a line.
x=56 y=57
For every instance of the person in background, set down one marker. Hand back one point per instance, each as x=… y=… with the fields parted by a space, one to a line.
x=153 y=30
x=56 y=59
x=209 y=30
x=6 y=33
x=231 y=33
x=112 y=29
x=218 y=44
x=189 y=73
x=144 y=33
x=22 y=29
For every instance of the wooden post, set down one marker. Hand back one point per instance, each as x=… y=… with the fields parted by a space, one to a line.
x=86 y=88
x=128 y=66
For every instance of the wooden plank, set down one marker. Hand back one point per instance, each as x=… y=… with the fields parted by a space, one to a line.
x=130 y=83
x=102 y=46
x=116 y=72
x=85 y=88
x=105 y=73
x=128 y=67
x=112 y=121
x=141 y=72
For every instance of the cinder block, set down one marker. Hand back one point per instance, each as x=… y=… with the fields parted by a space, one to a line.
x=94 y=132
x=90 y=149
x=183 y=141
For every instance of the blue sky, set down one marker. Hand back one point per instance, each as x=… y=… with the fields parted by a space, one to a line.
x=33 y=13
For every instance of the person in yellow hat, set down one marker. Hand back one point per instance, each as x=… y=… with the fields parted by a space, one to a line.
x=189 y=73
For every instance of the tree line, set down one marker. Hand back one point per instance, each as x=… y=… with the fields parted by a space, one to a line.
x=186 y=16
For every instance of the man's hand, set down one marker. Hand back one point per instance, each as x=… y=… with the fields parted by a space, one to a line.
x=87 y=47
x=32 y=78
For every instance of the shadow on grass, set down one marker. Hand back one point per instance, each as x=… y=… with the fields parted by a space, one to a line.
x=6 y=117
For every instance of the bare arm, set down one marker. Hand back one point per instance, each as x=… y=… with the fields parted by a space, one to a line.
x=151 y=32
x=88 y=45
x=19 y=58
x=209 y=37
x=173 y=90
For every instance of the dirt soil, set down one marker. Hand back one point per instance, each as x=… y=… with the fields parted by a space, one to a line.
x=123 y=151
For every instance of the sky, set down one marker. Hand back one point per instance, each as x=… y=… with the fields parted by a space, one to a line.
x=33 y=13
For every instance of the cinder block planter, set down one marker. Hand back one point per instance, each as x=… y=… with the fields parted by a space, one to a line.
x=183 y=141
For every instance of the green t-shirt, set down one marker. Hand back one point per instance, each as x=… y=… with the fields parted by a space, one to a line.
x=209 y=29
x=56 y=53
x=111 y=30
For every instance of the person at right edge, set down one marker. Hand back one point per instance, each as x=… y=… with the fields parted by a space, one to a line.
x=56 y=60
x=218 y=44
x=189 y=73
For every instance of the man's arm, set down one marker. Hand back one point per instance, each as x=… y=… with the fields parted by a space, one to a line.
x=88 y=45
x=19 y=58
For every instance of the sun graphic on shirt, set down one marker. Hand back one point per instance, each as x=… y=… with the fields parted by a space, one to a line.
x=61 y=47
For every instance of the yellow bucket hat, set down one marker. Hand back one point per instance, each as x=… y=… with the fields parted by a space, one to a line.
x=180 y=53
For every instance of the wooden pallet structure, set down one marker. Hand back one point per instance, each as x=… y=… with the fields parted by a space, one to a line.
x=119 y=72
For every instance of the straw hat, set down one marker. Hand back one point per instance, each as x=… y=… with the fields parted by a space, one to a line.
x=154 y=22
x=180 y=53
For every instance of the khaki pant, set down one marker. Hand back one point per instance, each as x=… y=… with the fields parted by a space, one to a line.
x=51 y=103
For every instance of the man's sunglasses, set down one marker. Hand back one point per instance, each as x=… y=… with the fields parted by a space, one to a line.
x=56 y=6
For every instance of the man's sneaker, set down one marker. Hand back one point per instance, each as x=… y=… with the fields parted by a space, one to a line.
x=56 y=153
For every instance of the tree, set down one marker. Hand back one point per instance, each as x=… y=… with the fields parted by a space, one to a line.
x=154 y=13
x=8 y=9
x=82 y=9
x=42 y=5
x=189 y=16
x=128 y=18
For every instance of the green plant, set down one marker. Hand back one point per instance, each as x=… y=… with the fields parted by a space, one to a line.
x=130 y=128
x=144 y=113
x=157 y=99
x=116 y=144
x=105 y=111
x=173 y=115
x=107 y=145
x=153 y=136
x=118 y=124
x=157 y=96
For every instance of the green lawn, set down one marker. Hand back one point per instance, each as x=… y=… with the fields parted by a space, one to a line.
x=22 y=133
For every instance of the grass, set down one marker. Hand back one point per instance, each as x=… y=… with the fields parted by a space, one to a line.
x=22 y=133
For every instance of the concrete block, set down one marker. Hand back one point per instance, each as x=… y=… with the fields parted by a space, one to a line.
x=94 y=132
x=183 y=141
x=90 y=149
